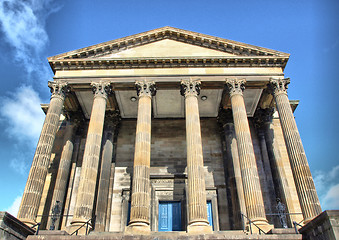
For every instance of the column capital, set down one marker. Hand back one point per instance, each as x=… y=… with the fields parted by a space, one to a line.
x=101 y=89
x=145 y=88
x=225 y=116
x=190 y=87
x=58 y=89
x=74 y=117
x=235 y=86
x=262 y=116
x=278 y=85
x=112 y=119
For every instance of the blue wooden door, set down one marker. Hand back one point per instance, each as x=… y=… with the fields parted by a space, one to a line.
x=169 y=216
x=209 y=213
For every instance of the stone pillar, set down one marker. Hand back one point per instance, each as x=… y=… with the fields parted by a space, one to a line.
x=85 y=196
x=111 y=121
x=278 y=165
x=308 y=197
x=226 y=119
x=249 y=172
x=197 y=207
x=140 y=200
x=61 y=182
x=36 y=178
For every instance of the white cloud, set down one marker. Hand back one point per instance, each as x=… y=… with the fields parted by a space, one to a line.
x=14 y=208
x=23 y=114
x=23 y=24
x=18 y=165
x=331 y=199
x=327 y=185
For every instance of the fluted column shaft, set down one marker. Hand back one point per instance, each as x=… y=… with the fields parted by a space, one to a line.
x=37 y=175
x=111 y=122
x=232 y=152
x=85 y=196
x=197 y=208
x=278 y=165
x=63 y=171
x=140 y=200
x=308 y=197
x=249 y=172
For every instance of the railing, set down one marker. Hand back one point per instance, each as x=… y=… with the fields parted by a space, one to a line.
x=87 y=224
x=250 y=224
x=38 y=228
x=295 y=224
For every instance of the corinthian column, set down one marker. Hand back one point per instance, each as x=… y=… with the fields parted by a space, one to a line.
x=197 y=208
x=249 y=172
x=226 y=120
x=90 y=163
x=111 y=121
x=64 y=165
x=37 y=175
x=140 y=200
x=308 y=197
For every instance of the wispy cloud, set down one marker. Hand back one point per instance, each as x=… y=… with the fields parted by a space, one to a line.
x=22 y=112
x=22 y=115
x=23 y=25
x=327 y=184
x=14 y=208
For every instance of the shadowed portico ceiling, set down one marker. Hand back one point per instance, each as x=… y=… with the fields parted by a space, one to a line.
x=166 y=55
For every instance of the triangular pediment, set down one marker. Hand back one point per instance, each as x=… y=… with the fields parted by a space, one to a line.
x=166 y=48
x=150 y=44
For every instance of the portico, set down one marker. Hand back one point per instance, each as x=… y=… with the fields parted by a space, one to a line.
x=171 y=144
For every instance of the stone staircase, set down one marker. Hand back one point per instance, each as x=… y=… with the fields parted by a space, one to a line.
x=276 y=234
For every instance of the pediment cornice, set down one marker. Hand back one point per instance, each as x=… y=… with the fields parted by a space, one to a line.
x=169 y=62
x=224 y=45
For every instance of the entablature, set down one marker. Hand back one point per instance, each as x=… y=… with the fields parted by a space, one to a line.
x=168 y=62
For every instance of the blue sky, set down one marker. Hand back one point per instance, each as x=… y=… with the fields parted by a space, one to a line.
x=32 y=30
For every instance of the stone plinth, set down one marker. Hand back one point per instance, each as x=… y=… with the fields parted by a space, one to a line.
x=324 y=226
x=12 y=228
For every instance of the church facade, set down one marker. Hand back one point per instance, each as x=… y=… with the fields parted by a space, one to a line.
x=169 y=130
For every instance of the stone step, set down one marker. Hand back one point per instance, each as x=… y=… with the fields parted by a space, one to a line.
x=226 y=235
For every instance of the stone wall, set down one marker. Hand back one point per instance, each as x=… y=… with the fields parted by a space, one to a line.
x=168 y=168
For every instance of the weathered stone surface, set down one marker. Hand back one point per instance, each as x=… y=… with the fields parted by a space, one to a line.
x=324 y=226
x=36 y=179
x=252 y=191
x=87 y=184
x=308 y=197
x=228 y=235
x=12 y=228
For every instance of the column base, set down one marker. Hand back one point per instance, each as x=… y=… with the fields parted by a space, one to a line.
x=29 y=222
x=138 y=228
x=199 y=228
x=77 y=223
x=262 y=224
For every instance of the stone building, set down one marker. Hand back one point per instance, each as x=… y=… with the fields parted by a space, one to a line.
x=169 y=130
